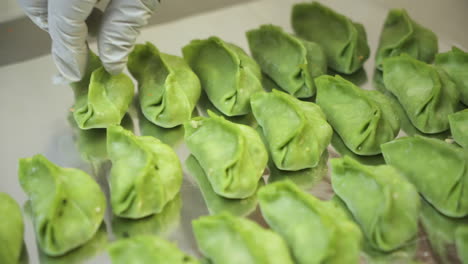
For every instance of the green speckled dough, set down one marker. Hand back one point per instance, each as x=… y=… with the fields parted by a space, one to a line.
x=381 y=200
x=168 y=88
x=225 y=239
x=459 y=127
x=146 y=174
x=11 y=230
x=363 y=119
x=227 y=74
x=437 y=169
x=296 y=132
x=67 y=204
x=455 y=63
x=290 y=62
x=343 y=41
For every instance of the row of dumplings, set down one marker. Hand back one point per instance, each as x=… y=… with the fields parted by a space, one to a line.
x=289 y=136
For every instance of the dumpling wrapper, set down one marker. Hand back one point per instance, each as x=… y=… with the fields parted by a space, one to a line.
x=438 y=170
x=363 y=119
x=459 y=127
x=67 y=204
x=168 y=88
x=381 y=200
x=455 y=63
x=425 y=92
x=343 y=41
x=101 y=99
x=232 y=155
x=225 y=239
x=315 y=231
x=215 y=203
x=448 y=236
x=147 y=249
x=227 y=74
x=11 y=230
x=401 y=34
x=296 y=132
x=146 y=174
x=290 y=62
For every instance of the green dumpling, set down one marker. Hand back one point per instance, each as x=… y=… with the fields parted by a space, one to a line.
x=147 y=249
x=290 y=62
x=401 y=34
x=447 y=236
x=315 y=231
x=459 y=127
x=215 y=203
x=437 y=169
x=363 y=119
x=425 y=92
x=455 y=63
x=101 y=99
x=227 y=74
x=225 y=239
x=232 y=155
x=296 y=132
x=383 y=202
x=343 y=41
x=11 y=230
x=67 y=204
x=168 y=88
x=146 y=174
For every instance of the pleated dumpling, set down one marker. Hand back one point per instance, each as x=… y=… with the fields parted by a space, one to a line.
x=401 y=34
x=146 y=174
x=455 y=63
x=438 y=170
x=425 y=92
x=315 y=231
x=297 y=132
x=101 y=99
x=225 y=239
x=363 y=119
x=343 y=41
x=11 y=230
x=292 y=63
x=227 y=74
x=168 y=89
x=381 y=200
x=67 y=205
x=459 y=127
x=232 y=155
x=147 y=249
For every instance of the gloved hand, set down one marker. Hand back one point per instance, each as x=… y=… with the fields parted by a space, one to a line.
x=65 y=22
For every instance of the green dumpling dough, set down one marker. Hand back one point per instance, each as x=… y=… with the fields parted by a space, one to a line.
x=437 y=169
x=215 y=203
x=383 y=202
x=290 y=62
x=363 y=119
x=459 y=127
x=168 y=88
x=297 y=132
x=425 y=92
x=225 y=239
x=101 y=99
x=67 y=205
x=455 y=63
x=146 y=174
x=147 y=249
x=447 y=236
x=343 y=41
x=232 y=155
x=401 y=34
x=11 y=230
x=227 y=74
x=315 y=231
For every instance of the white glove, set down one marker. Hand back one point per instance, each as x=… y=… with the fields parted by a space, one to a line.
x=65 y=22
